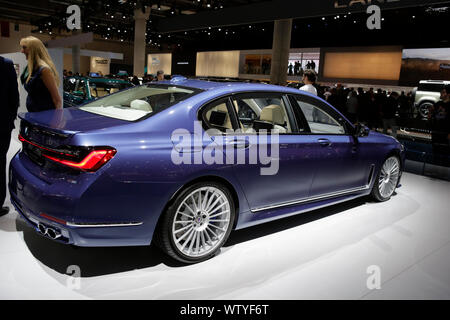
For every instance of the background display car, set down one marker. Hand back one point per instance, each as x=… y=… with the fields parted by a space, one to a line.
x=104 y=174
x=79 y=90
x=427 y=94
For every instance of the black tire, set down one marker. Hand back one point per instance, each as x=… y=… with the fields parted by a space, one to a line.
x=376 y=194
x=423 y=109
x=164 y=237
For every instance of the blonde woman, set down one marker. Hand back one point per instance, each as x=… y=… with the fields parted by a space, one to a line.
x=40 y=78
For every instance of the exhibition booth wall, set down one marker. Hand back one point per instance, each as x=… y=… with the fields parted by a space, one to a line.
x=218 y=64
x=159 y=61
x=373 y=65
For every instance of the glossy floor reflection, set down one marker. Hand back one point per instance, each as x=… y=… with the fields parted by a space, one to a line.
x=324 y=254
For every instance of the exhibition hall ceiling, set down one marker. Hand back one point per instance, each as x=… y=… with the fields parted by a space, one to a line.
x=113 y=20
x=32 y=10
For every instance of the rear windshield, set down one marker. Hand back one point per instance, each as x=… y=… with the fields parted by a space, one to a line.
x=139 y=102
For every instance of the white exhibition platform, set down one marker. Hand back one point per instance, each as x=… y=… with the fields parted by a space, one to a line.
x=323 y=254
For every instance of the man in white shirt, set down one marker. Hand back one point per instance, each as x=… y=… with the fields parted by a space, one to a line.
x=309 y=78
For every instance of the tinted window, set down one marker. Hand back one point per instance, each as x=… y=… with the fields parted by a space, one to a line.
x=432 y=87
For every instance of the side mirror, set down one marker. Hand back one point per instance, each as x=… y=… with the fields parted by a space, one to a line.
x=361 y=130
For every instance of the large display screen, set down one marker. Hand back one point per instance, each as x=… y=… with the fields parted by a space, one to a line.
x=424 y=64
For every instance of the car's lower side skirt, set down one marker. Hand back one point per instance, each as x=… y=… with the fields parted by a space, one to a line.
x=313 y=199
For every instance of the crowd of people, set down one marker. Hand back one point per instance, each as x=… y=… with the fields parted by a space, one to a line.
x=374 y=108
x=382 y=109
x=296 y=69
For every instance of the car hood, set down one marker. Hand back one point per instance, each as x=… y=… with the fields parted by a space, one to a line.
x=70 y=120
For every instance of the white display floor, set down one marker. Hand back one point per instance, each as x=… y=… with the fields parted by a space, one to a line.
x=323 y=254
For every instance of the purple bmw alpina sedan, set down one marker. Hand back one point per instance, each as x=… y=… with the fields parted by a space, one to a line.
x=182 y=163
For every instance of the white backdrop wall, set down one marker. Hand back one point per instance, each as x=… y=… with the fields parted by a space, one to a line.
x=160 y=61
x=100 y=64
x=218 y=64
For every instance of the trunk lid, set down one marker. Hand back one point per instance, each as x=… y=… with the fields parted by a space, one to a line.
x=70 y=120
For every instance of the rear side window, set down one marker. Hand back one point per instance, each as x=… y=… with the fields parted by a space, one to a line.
x=216 y=116
x=262 y=111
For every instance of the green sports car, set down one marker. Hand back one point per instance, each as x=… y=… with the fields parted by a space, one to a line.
x=79 y=90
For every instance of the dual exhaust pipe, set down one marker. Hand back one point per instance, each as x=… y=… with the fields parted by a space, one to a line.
x=48 y=231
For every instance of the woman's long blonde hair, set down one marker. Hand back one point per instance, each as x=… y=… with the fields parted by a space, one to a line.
x=38 y=56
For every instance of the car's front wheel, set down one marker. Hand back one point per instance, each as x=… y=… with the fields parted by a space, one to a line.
x=387 y=179
x=197 y=223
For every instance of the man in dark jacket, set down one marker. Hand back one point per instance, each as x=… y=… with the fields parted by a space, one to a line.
x=388 y=110
x=9 y=102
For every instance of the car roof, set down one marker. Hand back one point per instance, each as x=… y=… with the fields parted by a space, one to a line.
x=231 y=86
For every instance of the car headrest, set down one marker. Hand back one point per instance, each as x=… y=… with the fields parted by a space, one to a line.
x=272 y=113
x=140 y=105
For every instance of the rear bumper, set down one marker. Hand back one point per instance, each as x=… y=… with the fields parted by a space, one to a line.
x=103 y=235
x=84 y=215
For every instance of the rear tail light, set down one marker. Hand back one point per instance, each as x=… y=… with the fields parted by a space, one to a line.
x=82 y=158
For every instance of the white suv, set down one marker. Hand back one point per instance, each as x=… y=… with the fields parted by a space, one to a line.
x=427 y=94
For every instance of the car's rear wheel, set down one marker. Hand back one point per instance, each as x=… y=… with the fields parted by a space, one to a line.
x=197 y=223
x=387 y=179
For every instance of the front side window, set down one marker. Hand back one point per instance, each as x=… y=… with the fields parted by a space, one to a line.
x=139 y=102
x=319 y=120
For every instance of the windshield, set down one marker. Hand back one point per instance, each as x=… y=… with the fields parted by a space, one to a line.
x=139 y=102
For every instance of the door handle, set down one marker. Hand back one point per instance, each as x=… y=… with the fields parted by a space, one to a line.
x=239 y=144
x=324 y=142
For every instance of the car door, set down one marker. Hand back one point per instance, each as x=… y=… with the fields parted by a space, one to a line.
x=288 y=174
x=341 y=165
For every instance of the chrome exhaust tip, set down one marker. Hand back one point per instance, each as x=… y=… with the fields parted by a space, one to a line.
x=42 y=229
x=52 y=233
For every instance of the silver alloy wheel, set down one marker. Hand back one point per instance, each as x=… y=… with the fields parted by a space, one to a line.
x=389 y=175
x=201 y=222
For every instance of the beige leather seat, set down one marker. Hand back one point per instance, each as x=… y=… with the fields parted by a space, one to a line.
x=141 y=105
x=102 y=92
x=274 y=114
x=93 y=92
